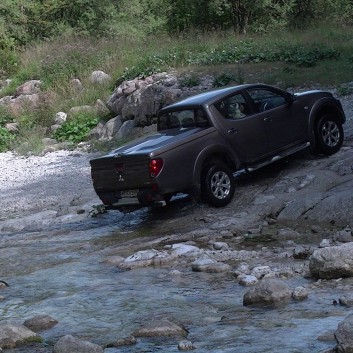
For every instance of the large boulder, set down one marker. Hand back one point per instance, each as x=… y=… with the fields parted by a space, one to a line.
x=344 y=335
x=267 y=292
x=332 y=262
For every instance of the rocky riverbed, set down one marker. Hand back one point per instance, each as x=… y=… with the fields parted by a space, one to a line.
x=180 y=277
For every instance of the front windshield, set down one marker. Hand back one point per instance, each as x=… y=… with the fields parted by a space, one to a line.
x=183 y=119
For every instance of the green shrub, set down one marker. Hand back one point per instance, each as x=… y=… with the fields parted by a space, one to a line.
x=76 y=129
x=6 y=139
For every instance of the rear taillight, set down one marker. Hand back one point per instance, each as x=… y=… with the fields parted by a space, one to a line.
x=155 y=167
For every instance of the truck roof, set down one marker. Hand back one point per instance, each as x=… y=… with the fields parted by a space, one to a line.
x=207 y=97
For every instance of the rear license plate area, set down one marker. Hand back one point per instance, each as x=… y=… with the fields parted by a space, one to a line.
x=128 y=193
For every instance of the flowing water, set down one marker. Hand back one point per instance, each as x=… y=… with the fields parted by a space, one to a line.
x=61 y=272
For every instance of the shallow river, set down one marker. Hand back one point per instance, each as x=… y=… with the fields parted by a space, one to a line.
x=62 y=273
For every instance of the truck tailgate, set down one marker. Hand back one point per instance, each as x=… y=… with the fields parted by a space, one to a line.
x=112 y=173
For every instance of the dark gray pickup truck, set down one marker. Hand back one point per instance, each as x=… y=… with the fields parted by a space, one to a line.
x=202 y=142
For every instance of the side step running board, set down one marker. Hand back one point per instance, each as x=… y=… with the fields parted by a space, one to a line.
x=276 y=158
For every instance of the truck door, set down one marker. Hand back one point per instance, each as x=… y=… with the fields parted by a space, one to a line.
x=285 y=122
x=242 y=128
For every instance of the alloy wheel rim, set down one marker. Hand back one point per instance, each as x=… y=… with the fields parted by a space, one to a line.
x=220 y=185
x=330 y=133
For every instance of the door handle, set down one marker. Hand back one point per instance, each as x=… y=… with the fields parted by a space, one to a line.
x=232 y=131
x=268 y=119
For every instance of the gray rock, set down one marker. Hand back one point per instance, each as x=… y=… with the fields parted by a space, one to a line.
x=185 y=346
x=70 y=344
x=346 y=300
x=40 y=323
x=28 y=88
x=300 y=293
x=260 y=271
x=60 y=118
x=344 y=335
x=267 y=292
x=246 y=280
x=12 y=334
x=332 y=262
x=127 y=341
x=110 y=129
x=100 y=77
x=206 y=264
x=77 y=85
x=218 y=245
x=126 y=129
x=161 y=328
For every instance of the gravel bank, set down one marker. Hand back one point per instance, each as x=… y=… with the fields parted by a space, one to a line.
x=56 y=180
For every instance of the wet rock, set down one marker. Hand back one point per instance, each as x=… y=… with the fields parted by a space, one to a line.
x=206 y=264
x=267 y=292
x=32 y=222
x=260 y=271
x=12 y=334
x=161 y=328
x=70 y=344
x=346 y=300
x=40 y=323
x=127 y=341
x=344 y=335
x=242 y=269
x=300 y=293
x=146 y=258
x=114 y=260
x=247 y=280
x=185 y=346
x=332 y=262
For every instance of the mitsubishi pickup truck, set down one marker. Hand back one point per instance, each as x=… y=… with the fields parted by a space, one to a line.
x=203 y=142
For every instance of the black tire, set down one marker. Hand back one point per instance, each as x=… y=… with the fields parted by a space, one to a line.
x=218 y=184
x=328 y=134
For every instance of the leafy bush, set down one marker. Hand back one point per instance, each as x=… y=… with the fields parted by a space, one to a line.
x=6 y=138
x=77 y=129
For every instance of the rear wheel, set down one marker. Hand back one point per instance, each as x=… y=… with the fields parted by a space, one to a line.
x=328 y=134
x=218 y=184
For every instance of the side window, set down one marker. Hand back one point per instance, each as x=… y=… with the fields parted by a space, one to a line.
x=233 y=107
x=183 y=119
x=265 y=99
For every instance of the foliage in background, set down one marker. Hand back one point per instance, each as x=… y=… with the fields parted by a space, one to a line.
x=76 y=129
x=237 y=41
x=6 y=137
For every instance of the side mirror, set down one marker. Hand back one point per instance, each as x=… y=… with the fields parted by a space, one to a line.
x=290 y=98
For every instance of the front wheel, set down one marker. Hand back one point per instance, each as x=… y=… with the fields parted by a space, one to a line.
x=328 y=134
x=218 y=185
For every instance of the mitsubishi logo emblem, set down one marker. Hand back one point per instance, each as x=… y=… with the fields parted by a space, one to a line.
x=121 y=179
